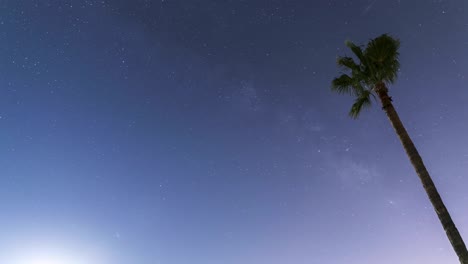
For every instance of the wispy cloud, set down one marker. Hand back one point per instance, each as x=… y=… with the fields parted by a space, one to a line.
x=245 y=98
x=356 y=175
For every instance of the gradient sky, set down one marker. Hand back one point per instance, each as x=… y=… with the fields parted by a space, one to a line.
x=205 y=132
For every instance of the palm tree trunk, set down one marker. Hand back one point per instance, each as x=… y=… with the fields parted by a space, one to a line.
x=442 y=212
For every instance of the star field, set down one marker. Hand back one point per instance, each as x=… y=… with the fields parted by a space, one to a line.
x=205 y=131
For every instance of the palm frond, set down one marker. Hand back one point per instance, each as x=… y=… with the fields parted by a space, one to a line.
x=362 y=101
x=356 y=50
x=367 y=69
x=383 y=48
x=347 y=63
x=343 y=84
x=382 y=52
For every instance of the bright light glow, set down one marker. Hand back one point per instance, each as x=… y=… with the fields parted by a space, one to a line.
x=45 y=258
x=49 y=255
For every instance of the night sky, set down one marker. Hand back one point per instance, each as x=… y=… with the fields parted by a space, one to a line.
x=205 y=132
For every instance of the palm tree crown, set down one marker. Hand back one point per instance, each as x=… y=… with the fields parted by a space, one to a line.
x=378 y=65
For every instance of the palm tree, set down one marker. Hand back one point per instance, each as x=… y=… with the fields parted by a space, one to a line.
x=377 y=67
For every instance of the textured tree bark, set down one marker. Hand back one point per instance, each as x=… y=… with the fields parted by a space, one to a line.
x=442 y=212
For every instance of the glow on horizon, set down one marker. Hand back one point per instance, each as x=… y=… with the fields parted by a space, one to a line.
x=49 y=255
x=45 y=258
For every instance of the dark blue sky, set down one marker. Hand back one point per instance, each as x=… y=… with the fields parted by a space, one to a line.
x=205 y=132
